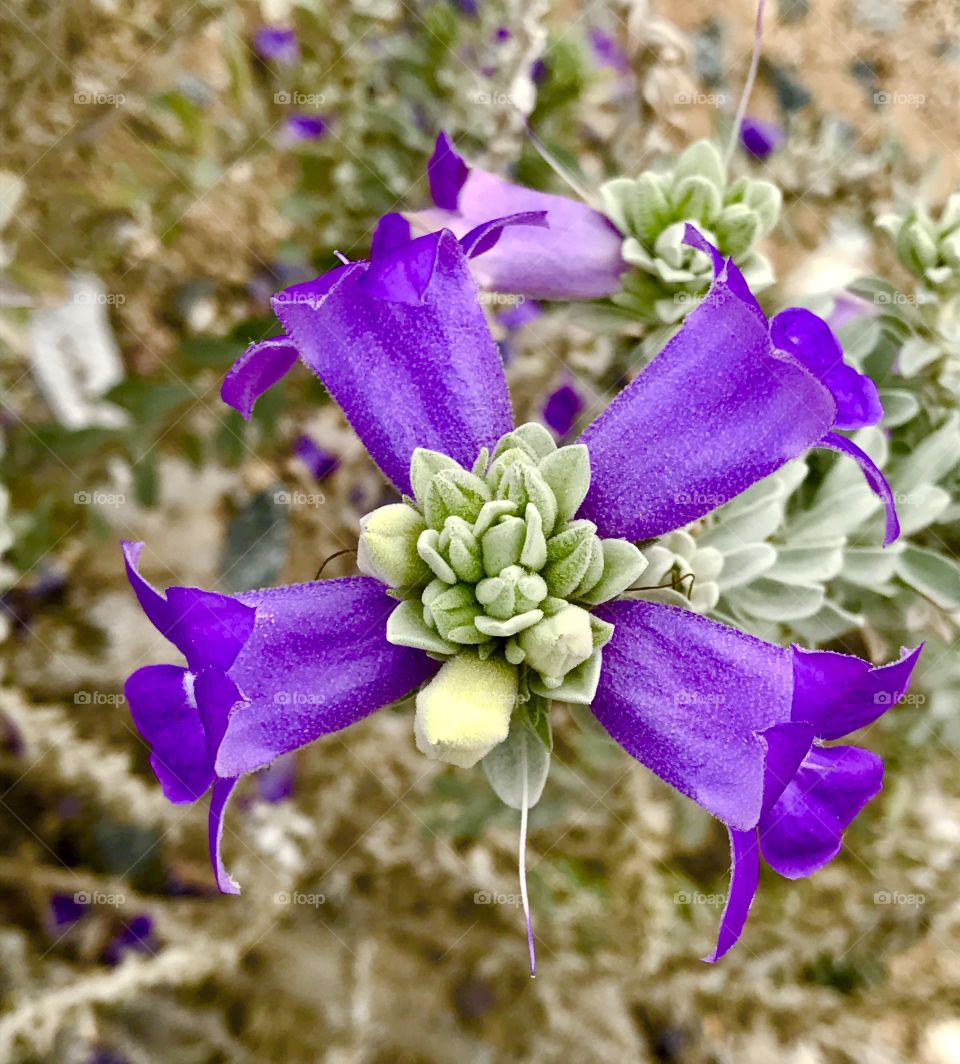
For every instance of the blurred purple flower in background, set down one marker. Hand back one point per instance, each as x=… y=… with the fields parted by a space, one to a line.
x=305 y=127
x=317 y=459
x=759 y=137
x=562 y=408
x=277 y=45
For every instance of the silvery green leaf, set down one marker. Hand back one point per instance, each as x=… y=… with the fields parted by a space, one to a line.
x=520 y=754
x=751 y=524
x=808 y=565
x=567 y=472
x=772 y=601
x=931 y=460
x=737 y=228
x=870 y=567
x=704 y=596
x=932 y=574
x=622 y=565
x=639 y=207
x=915 y=355
x=745 y=564
x=899 y=407
x=765 y=199
x=702 y=158
x=423 y=465
x=921 y=507
x=827 y=624
x=859 y=337
x=257 y=542
x=697 y=198
x=407 y=628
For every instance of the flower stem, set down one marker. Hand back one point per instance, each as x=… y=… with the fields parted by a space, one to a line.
x=747 y=87
x=523 y=867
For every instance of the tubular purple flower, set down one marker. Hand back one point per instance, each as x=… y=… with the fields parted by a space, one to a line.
x=577 y=257
x=402 y=344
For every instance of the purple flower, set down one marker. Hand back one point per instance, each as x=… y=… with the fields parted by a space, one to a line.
x=278 y=45
x=520 y=314
x=760 y=138
x=305 y=127
x=577 y=256
x=562 y=409
x=608 y=52
x=402 y=345
x=317 y=459
x=66 y=909
x=137 y=936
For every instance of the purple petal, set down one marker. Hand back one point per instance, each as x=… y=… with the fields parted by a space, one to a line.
x=392 y=233
x=562 y=409
x=404 y=275
x=222 y=792
x=153 y=604
x=484 y=237
x=876 y=480
x=521 y=313
x=406 y=376
x=208 y=628
x=811 y=341
x=317 y=459
x=256 y=370
x=165 y=713
x=759 y=137
x=838 y=693
x=317 y=661
x=714 y=412
x=744 y=879
x=804 y=830
x=305 y=127
x=277 y=44
x=787 y=745
x=725 y=270
x=608 y=52
x=687 y=697
x=446 y=173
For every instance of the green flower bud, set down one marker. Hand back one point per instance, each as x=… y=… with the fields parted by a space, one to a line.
x=423 y=465
x=567 y=473
x=460 y=546
x=503 y=461
x=532 y=438
x=566 y=574
x=387 y=549
x=465 y=710
x=558 y=644
x=697 y=198
x=523 y=484
x=454 y=611
x=502 y=545
x=457 y=493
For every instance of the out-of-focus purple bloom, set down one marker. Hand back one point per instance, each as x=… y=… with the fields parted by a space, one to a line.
x=538 y=71
x=106 y=1056
x=469 y=7
x=520 y=314
x=848 y=307
x=562 y=408
x=274 y=44
x=275 y=782
x=759 y=137
x=402 y=345
x=577 y=255
x=66 y=909
x=319 y=461
x=305 y=127
x=137 y=936
x=502 y=34
x=608 y=51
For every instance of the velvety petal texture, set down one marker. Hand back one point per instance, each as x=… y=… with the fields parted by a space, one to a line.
x=744 y=880
x=257 y=369
x=690 y=698
x=403 y=346
x=267 y=672
x=576 y=257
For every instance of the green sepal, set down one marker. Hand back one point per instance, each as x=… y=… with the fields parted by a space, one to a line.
x=428 y=547
x=697 y=198
x=601 y=632
x=701 y=158
x=517 y=623
x=454 y=609
x=579 y=685
x=524 y=484
x=738 y=229
x=502 y=545
x=558 y=643
x=423 y=465
x=460 y=546
x=454 y=493
x=623 y=563
x=407 y=628
x=567 y=473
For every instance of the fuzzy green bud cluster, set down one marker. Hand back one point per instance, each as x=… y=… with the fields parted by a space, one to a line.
x=669 y=277
x=491 y=564
x=929 y=248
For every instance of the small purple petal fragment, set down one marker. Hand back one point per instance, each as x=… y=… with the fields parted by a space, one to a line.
x=562 y=408
x=277 y=44
x=484 y=237
x=405 y=376
x=392 y=233
x=256 y=370
x=153 y=604
x=787 y=745
x=317 y=661
x=876 y=480
x=208 y=628
x=838 y=693
x=219 y=798
x=319 y=461
x=804 y=830
x=404 y=275
x=811 y=341
x=716 y=411
x=305 y=127
x=608 y=52
x=446 y=172
x=759 y=137
x=163 y=710
x=687 y=697
x=521 y=313
x=744 y=879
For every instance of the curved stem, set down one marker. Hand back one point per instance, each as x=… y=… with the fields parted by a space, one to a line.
x=747 y=88
x=523 y=868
